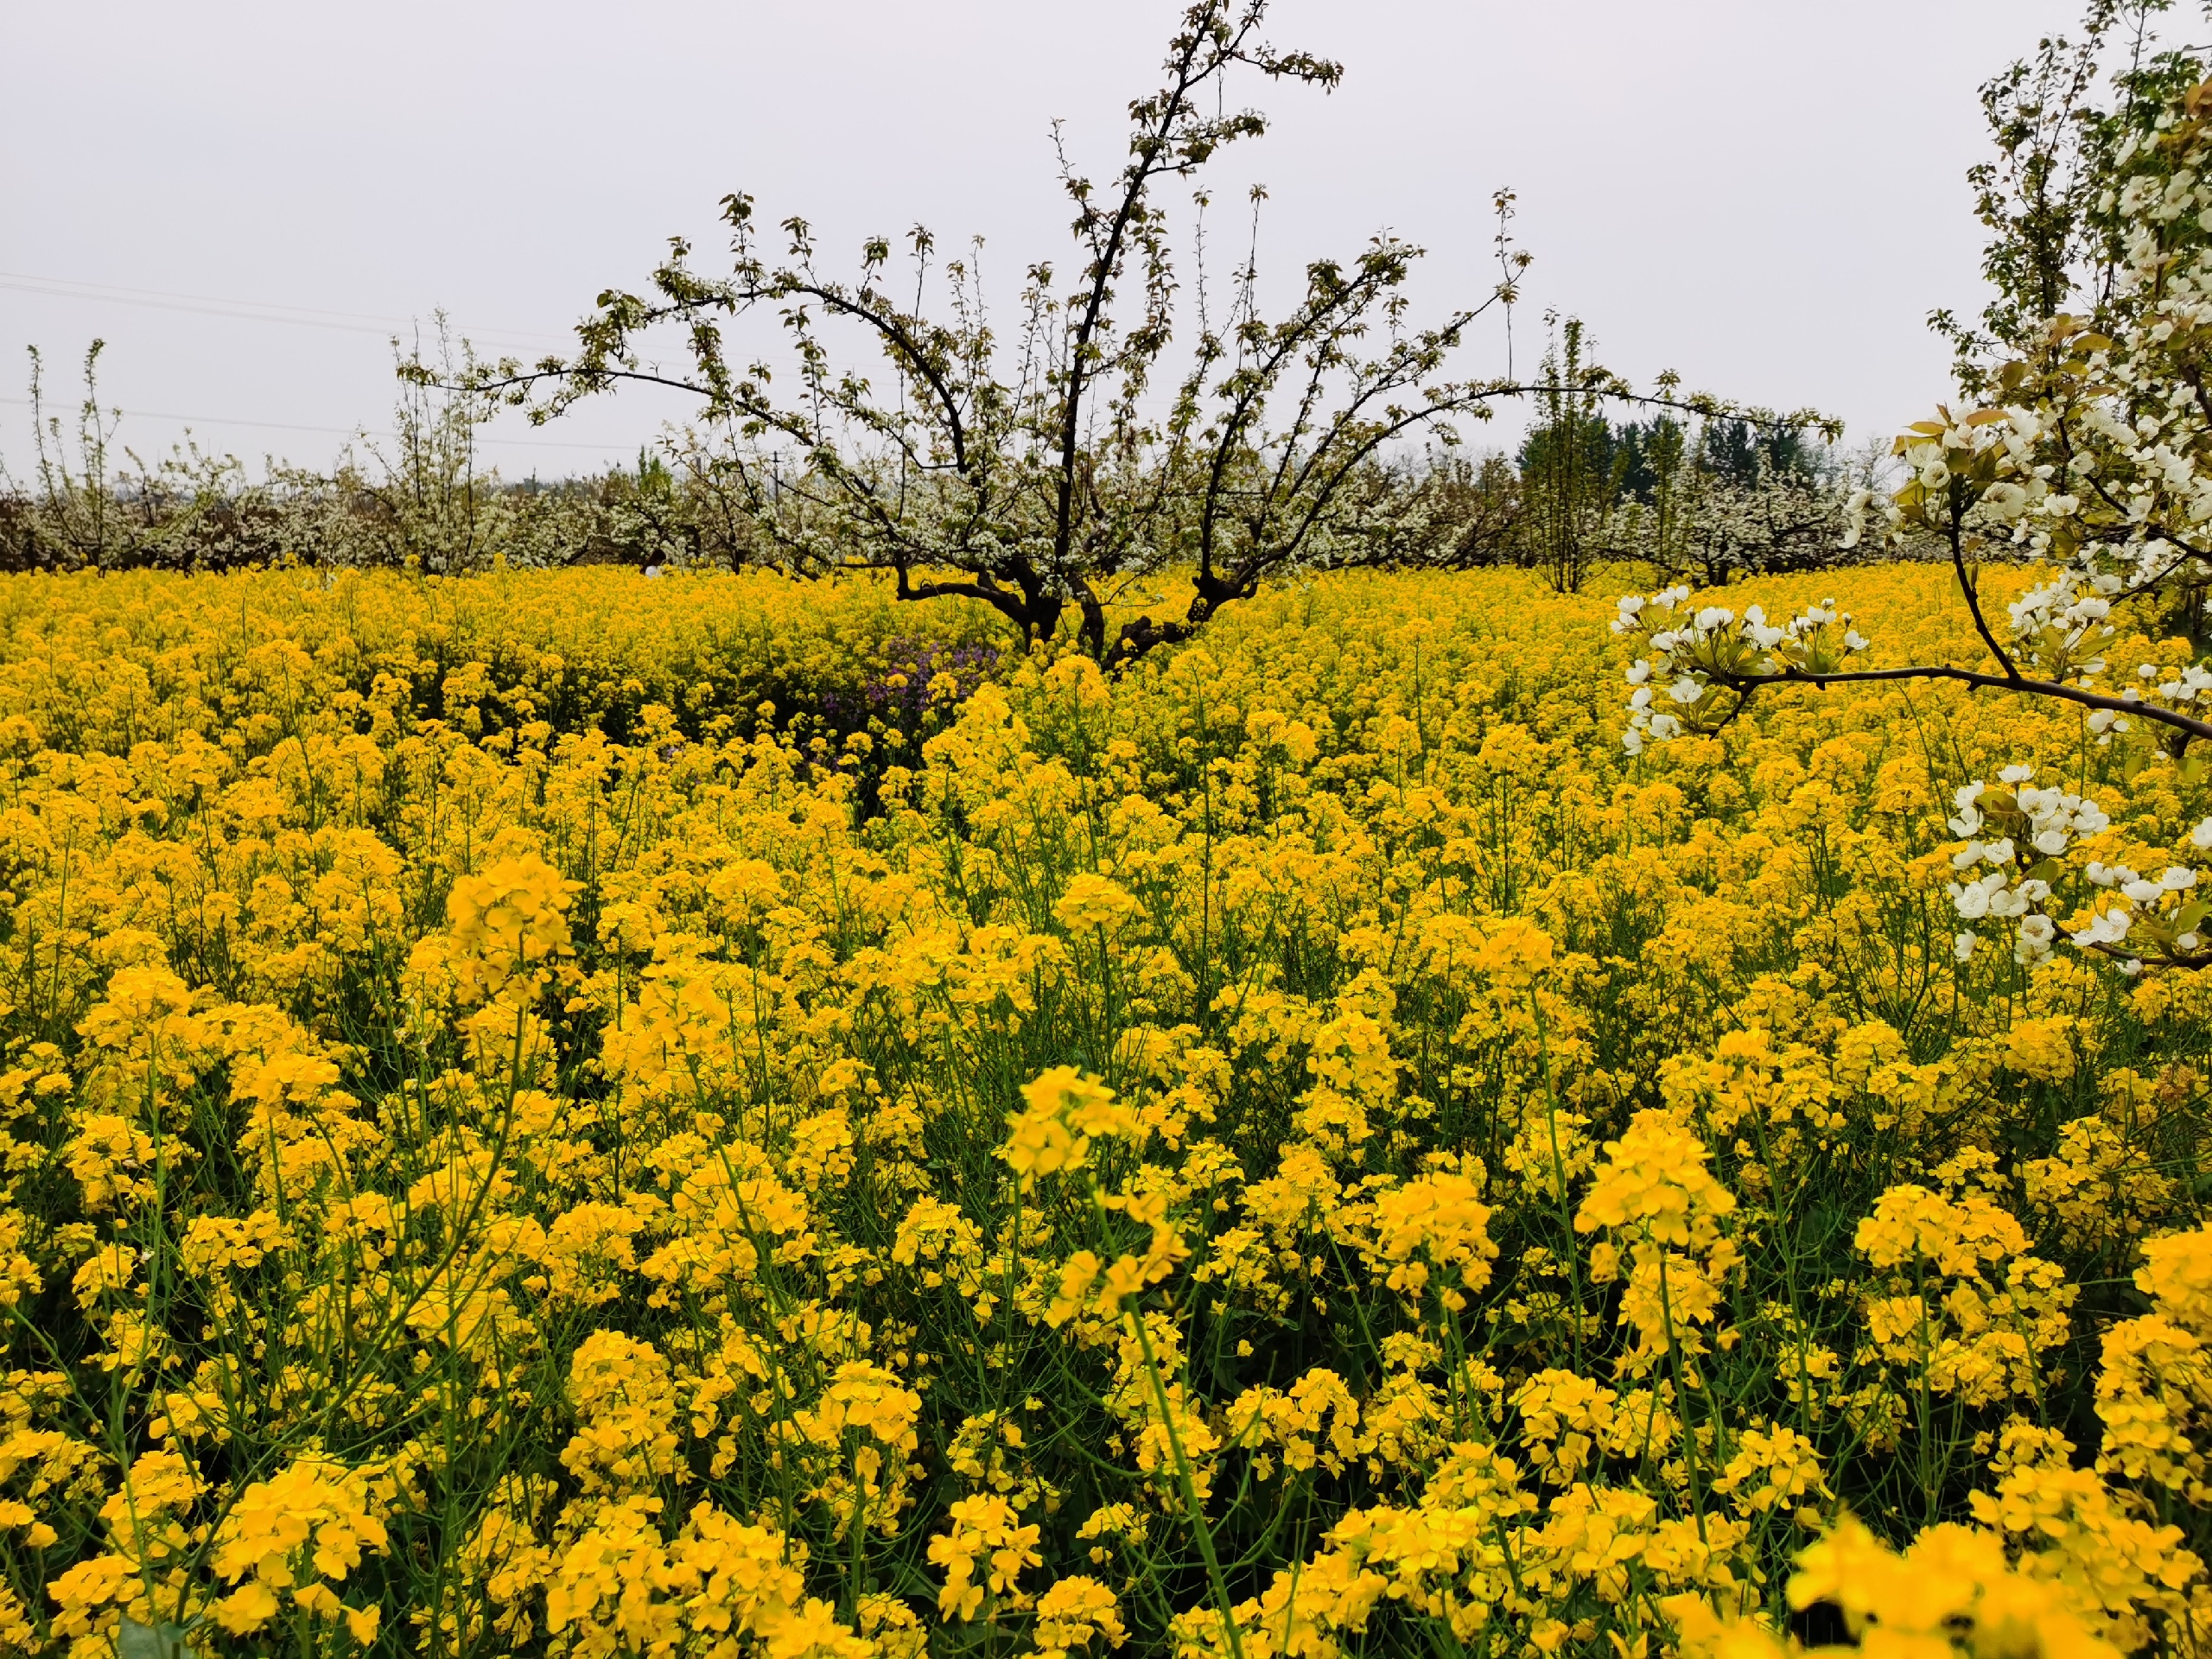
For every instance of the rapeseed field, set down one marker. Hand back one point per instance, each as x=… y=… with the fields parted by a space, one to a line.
x=568 y=1114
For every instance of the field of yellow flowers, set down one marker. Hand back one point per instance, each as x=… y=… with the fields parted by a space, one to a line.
x=563 y=1113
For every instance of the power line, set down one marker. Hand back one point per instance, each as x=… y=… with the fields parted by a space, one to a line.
x=359 y=322
x=341 y=431
x=353 y=323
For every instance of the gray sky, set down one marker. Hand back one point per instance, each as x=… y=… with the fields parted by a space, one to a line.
x=1766 y=196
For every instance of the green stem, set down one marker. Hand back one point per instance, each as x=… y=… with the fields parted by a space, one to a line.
x=1191 y=1505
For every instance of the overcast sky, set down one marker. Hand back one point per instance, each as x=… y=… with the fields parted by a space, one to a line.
x=246 y=199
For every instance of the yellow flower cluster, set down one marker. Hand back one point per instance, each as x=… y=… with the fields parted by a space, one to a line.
x=558 y=1115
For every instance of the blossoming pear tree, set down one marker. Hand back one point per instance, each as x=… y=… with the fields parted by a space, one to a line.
x=1061 y=470
x=1047 y=477
x=2089 y=457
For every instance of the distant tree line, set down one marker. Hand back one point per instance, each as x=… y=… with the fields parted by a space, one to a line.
x=419 y=496
x=1705 y=500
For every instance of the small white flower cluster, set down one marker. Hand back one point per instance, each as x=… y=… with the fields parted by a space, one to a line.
x=2041 y=823
x=2138 y=898
x=2180 y=689
x=2071 y=606
x=1683 y=659
x=1995 y=451
x=2157 y=916
x=2191 y=684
